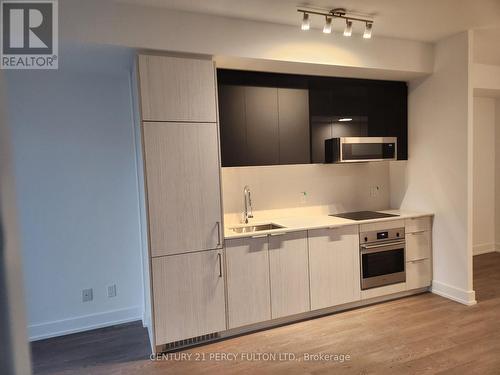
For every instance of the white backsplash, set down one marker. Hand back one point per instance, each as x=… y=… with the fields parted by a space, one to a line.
x=329 y=188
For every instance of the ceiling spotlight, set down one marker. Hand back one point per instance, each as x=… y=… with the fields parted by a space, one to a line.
x=331 y=15
x=327 y=29
x=368 y=30
x=306 y=23
x=348 y=28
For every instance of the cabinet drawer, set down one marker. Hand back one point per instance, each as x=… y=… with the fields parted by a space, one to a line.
x=418 y=274
x=418 y=246
x=418 y=224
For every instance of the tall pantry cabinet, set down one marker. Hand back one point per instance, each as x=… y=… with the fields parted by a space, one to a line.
x=182 y=178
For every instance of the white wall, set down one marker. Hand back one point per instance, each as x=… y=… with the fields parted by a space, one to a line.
x=486 y=47
x=331 y=188
x=484 y=176
x=486 y=80
x=14 y=351
x=147 y=317
x=75 y=169
x=224 y=37
x=439 y=169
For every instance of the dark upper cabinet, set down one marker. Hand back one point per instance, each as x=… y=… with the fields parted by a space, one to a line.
x=261 y=110
x=233 y=126
x=268 y=118
x=320 y=102
x=388 y=113
x=263 y=125
x=293 y=120
x=377 y=109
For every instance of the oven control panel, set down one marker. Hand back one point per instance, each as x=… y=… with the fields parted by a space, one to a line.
x=382 y=235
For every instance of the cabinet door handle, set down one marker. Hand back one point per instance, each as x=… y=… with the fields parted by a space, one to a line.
x=418 y=232
x=260 y=236
x=417 y=260
x=278 y=234
x=218 y=234
x=220 y=264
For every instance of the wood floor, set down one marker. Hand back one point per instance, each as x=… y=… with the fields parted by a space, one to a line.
x=423 y=334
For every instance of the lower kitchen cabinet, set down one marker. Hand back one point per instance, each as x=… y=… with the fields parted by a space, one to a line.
x=418 y=252
x=289 y=274
x=189 y=299
x=334 y=266
x=418 y=245
x=248 y=289
x=418 y=274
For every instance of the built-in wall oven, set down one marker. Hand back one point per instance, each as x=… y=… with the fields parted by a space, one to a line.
x=382 y=257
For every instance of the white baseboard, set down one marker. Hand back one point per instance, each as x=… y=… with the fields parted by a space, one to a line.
x=458 y=295
x=146 y=323
x=83 y=323
x=484 y=248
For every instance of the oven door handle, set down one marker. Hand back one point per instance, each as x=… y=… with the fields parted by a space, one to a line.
x=366 y=249
x=383 y=244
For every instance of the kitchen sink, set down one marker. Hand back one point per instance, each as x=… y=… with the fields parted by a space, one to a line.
x=256 y=228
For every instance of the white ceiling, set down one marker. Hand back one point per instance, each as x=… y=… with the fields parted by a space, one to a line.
x=423 y=20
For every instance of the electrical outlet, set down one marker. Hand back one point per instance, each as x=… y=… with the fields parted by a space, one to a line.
x=87 y=295
x=374 y=190
x=303 y=197
x=112 y=291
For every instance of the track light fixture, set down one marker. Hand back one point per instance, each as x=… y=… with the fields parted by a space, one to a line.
x=368 y=31
x=306 y=23
x=335 y=13
x=348 y=28
x=327 y=29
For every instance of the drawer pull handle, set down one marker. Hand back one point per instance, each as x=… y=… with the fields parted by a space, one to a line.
x=417 y=260
x=260 y=236
x=218 y=235
x=220 y=264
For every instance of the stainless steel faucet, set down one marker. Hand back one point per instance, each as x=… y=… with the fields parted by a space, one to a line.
x=247 y=214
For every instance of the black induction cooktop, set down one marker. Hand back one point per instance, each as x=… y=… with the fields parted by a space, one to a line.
x=363 y=215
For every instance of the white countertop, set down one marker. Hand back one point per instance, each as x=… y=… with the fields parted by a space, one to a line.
x=298 y=223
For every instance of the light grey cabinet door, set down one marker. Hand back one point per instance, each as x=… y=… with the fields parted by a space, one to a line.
x=183 y=186
x=262 y=134
x=418 y=274
x=289 y=271
x=293 y=113
x=188 y=292
x=177 y=89
x=418 y=245
x=334 y=266
x=248 y=289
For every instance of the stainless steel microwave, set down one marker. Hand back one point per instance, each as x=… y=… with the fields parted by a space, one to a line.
x=360 y=149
